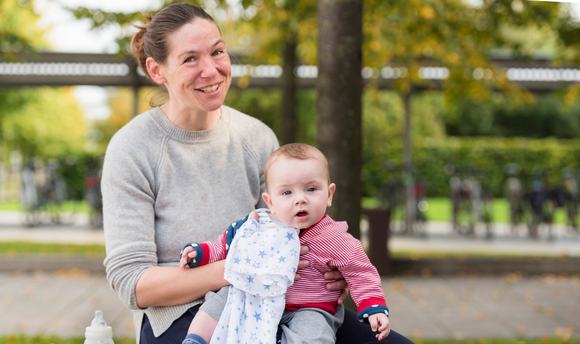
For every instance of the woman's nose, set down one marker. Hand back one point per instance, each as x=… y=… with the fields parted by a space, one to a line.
x=208 y=68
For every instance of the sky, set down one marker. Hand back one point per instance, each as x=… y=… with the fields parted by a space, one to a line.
x=66 y=34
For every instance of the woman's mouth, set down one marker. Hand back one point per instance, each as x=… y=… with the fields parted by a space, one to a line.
x=209 y=89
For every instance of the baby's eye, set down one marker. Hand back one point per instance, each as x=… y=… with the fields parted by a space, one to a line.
x=311 y=189
x=286 y=193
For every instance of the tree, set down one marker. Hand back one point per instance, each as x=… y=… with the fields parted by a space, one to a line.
x=413 y=34
x=407 y=34
x=339 y=102
x=45 y=122
x=16 y=35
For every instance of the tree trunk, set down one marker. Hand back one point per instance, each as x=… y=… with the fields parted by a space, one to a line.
x=408 y=166
x=289 y=91
x=339 y=103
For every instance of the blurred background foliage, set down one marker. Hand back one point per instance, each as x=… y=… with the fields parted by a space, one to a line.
x=483 y=122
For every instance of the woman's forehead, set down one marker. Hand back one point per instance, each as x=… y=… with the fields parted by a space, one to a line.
x=195 y=36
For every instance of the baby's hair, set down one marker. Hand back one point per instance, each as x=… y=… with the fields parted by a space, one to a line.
x=299 y=151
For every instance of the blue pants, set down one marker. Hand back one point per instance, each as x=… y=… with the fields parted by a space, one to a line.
x=352 y=331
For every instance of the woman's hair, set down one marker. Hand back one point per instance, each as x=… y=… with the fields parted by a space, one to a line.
x=152 y=39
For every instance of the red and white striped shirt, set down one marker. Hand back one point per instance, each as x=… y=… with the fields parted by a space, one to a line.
x=330 y=245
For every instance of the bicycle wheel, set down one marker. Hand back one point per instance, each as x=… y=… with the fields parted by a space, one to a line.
x=64 y=209
x=29 y=214
x=465 y=221
x=398 y=225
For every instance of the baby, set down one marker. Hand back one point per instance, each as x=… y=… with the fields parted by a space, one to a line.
x=299 y=191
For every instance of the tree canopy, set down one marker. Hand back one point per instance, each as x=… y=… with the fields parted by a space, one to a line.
x=45 y=122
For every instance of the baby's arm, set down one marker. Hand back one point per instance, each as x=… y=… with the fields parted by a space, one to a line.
x=347 y=254
x=197 y=254
x=380 y=322
x=188 y=254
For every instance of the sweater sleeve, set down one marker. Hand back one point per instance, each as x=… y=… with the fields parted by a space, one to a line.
x=346 y=253
x=129 y=218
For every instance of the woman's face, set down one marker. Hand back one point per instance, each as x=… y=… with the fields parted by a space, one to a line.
x=197 y=72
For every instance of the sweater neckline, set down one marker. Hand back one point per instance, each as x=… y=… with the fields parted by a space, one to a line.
x=188 y=135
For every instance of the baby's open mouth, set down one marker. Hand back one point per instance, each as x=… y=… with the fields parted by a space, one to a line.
x=302 y=213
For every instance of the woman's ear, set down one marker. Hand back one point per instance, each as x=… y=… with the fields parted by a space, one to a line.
x=268 y=199
x=331 y=189
x=154 y=70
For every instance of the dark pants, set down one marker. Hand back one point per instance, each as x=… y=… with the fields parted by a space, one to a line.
x=352 y=331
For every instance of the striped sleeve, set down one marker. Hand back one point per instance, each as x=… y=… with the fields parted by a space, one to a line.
x=207 y=252
x=346 y=253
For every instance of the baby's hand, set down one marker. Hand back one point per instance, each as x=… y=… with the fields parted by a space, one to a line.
x=380 y=321
x=187 y=256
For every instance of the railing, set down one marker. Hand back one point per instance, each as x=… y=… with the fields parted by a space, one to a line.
x=58 y=69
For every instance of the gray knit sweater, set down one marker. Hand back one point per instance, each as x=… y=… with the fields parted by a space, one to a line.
x=164 y=186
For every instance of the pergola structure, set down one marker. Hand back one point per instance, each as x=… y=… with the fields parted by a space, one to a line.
x=68 y=69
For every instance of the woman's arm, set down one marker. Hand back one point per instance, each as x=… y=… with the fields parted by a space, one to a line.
x=129 y=196
x=167 y=286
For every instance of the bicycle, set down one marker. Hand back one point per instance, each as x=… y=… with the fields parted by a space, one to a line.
x=470 y=203
x=93 y=196
x=513 y=193
x=572 y=194
x=393 y=195
x=45 y=196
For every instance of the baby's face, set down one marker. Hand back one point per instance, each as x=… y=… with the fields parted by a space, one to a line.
x=298 y=191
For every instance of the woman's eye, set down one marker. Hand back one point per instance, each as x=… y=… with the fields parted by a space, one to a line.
x=217 y=52
x=286 y=193
x=189 y=59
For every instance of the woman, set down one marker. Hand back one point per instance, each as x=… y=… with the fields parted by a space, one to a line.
x=180 y=173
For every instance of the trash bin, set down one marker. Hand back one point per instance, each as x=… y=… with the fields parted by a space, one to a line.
x=378 y=235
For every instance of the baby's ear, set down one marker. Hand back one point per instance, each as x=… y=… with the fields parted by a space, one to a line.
x=331 y=189
x=268 y=199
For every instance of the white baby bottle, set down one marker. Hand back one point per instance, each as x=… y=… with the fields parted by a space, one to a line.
x=99 y=332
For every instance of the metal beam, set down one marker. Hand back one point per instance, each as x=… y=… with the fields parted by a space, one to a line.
x=67 y=69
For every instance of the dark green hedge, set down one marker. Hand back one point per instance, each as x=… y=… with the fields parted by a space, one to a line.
x=489 y=156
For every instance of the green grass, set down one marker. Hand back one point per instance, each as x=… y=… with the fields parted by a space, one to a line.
x=80 y=206
x=10 y=206
x=25 y=339
x=414 y=255
x=18 y=247
x=562 y=340
x=440 y=210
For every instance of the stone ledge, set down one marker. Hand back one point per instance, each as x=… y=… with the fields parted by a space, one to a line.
x=399 y=266
x=484 y=266
x=30 y=263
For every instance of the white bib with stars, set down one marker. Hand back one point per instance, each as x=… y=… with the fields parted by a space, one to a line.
x=260 y=265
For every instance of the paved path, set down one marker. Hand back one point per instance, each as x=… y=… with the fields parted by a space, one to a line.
x=484 y=307
x=63 y=303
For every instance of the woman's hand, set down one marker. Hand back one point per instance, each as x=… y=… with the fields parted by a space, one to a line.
x=338 y=283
